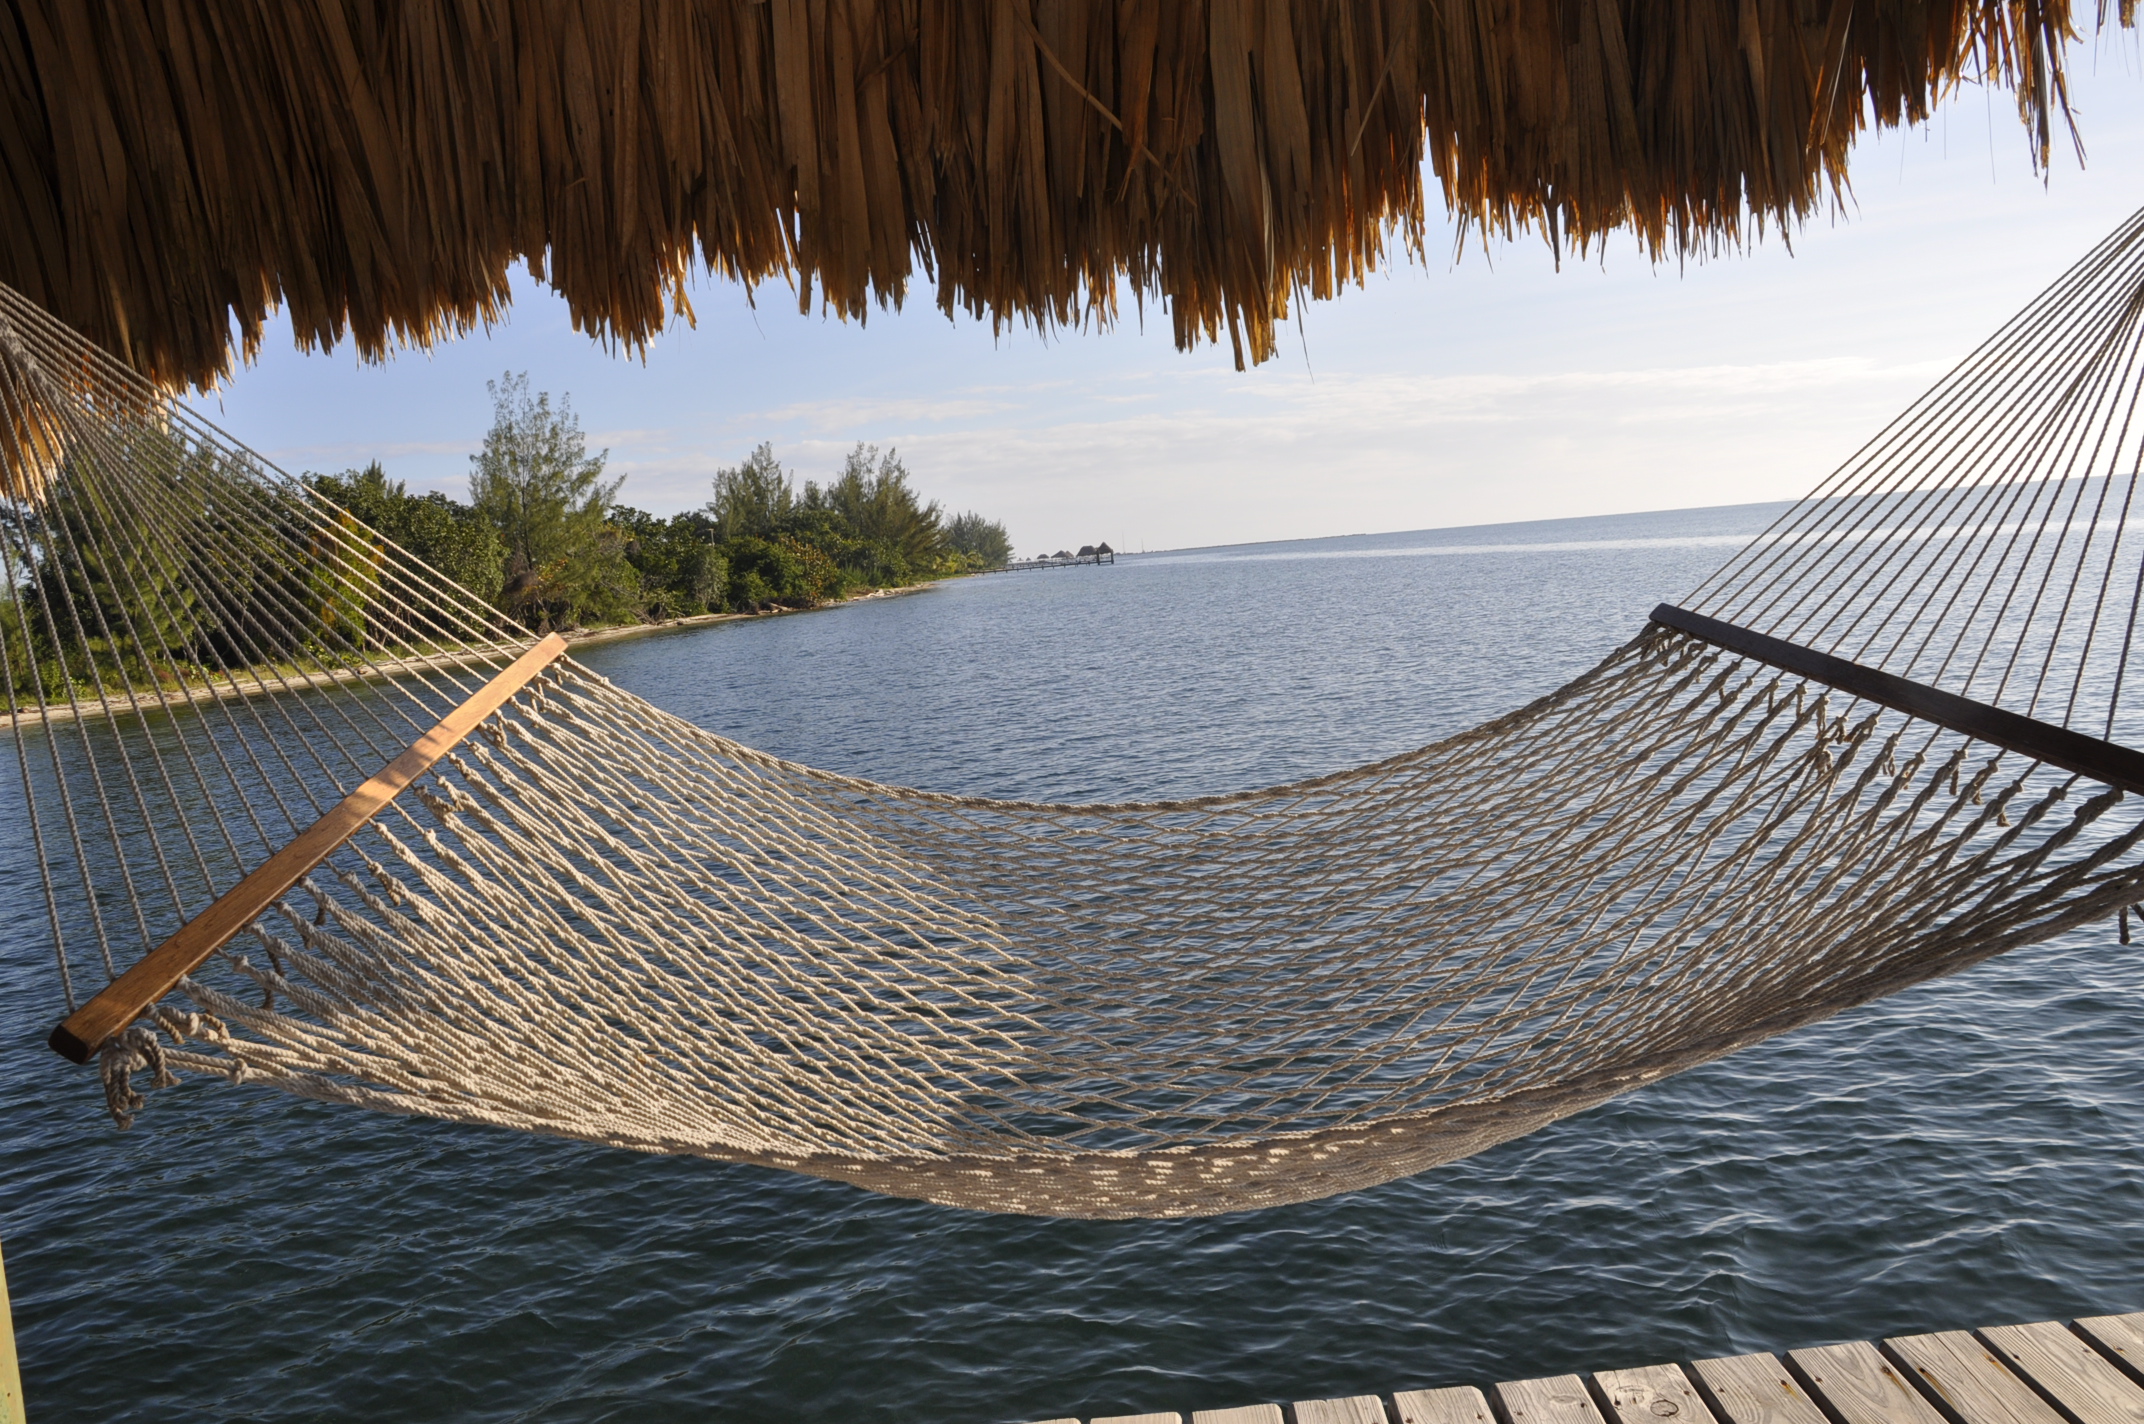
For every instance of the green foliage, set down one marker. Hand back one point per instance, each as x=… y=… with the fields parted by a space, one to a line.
x=16 y=658
x=682 y=569
x=114 y=598
x=536 y=485
x=265 y=600
x=899 y=539
x=981 y=543
x=775 y=546
x=753 y=499
x=442 y=533
x=341 y=579
x=763 y=572
x=138 y=592
x=818 y=579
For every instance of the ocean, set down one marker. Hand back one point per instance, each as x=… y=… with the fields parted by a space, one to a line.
x=1968 y=1152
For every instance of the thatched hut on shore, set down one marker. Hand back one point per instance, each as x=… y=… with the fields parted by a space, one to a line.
x=378 y=166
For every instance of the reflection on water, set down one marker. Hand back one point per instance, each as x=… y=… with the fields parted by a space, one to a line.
x=1968 y=1152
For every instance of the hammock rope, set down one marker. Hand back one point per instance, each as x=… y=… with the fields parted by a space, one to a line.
x=1883 y=742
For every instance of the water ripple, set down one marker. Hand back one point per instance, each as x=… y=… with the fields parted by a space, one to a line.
x=1970 y=1151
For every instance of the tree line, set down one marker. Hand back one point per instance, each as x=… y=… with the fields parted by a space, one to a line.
x=545 y=539
x=110 y=589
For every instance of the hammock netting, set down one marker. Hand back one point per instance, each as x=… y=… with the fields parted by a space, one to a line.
x=594 y=920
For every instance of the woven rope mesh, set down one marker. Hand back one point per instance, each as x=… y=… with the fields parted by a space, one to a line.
x=597 y=921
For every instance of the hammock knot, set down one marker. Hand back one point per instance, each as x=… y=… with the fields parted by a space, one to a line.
x=451 y=803
x=182 y=1026
x=390 y=887
x=126 y=1053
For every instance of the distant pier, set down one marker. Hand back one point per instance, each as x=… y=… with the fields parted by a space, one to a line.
x=2088 y=1372
x=1064 y=559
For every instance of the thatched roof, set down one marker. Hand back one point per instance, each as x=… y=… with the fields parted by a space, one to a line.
x=377 y=166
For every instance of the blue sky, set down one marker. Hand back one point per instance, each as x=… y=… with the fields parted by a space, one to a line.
x=1479 y=389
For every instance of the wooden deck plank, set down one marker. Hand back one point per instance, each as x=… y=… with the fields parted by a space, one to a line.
x=1651 y=1394
x=2084 y=1382
x=1241 y=1414
x=1461 y=1405
x=1756 y=1389
x=1863 y=1387
x=1558 y=1399
x=1976 y=1385
x=2090 y=1372
x=2121 y=1336
x=1356 y=1409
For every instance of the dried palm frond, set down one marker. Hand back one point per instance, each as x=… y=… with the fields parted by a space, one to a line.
x=378 y=166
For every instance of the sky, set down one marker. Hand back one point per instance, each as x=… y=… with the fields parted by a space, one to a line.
x=1482 y=387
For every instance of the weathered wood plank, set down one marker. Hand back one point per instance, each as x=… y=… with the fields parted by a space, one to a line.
x=1242 y=1414
x=2083 y=1381
x=1863 y=1387
x=1970 y=1379
x=1356 y=1409
x=1461 y=1405
x=2093 y=1371
x=1558 y=1399
x=1651 y=1394
x=2121 y=1336
x=1756 y=1389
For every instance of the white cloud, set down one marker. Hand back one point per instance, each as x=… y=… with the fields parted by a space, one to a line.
x=1203 y=459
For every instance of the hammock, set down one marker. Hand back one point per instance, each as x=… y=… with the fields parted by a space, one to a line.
x=311 y=816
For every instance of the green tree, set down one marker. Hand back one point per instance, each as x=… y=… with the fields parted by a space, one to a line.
x=981 y=543
x=866 y=526
x=442 y=533
x=902 y=537
x=115 y=589
x=682 y=569
x=753 y=499
x=16 y=629
x=763 y=572
x=818 y=577
x=342 y=581
x=536 y=485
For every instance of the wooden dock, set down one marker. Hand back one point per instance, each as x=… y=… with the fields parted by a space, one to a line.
x=2088 y=1372
x=1090 y=557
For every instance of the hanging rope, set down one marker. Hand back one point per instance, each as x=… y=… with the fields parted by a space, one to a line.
x=587 y=918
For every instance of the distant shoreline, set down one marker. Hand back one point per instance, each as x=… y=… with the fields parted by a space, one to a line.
x=252 y=684
x=583 y=636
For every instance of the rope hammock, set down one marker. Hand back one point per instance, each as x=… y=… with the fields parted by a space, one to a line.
x=311 y=816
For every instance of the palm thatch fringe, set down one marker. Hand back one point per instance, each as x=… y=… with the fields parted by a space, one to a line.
x=378 y=166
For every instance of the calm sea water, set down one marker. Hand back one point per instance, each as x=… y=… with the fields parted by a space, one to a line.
x=1969 y=1152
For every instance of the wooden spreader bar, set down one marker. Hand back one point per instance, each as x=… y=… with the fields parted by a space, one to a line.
x=123 y=1000
x=2110 y=762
